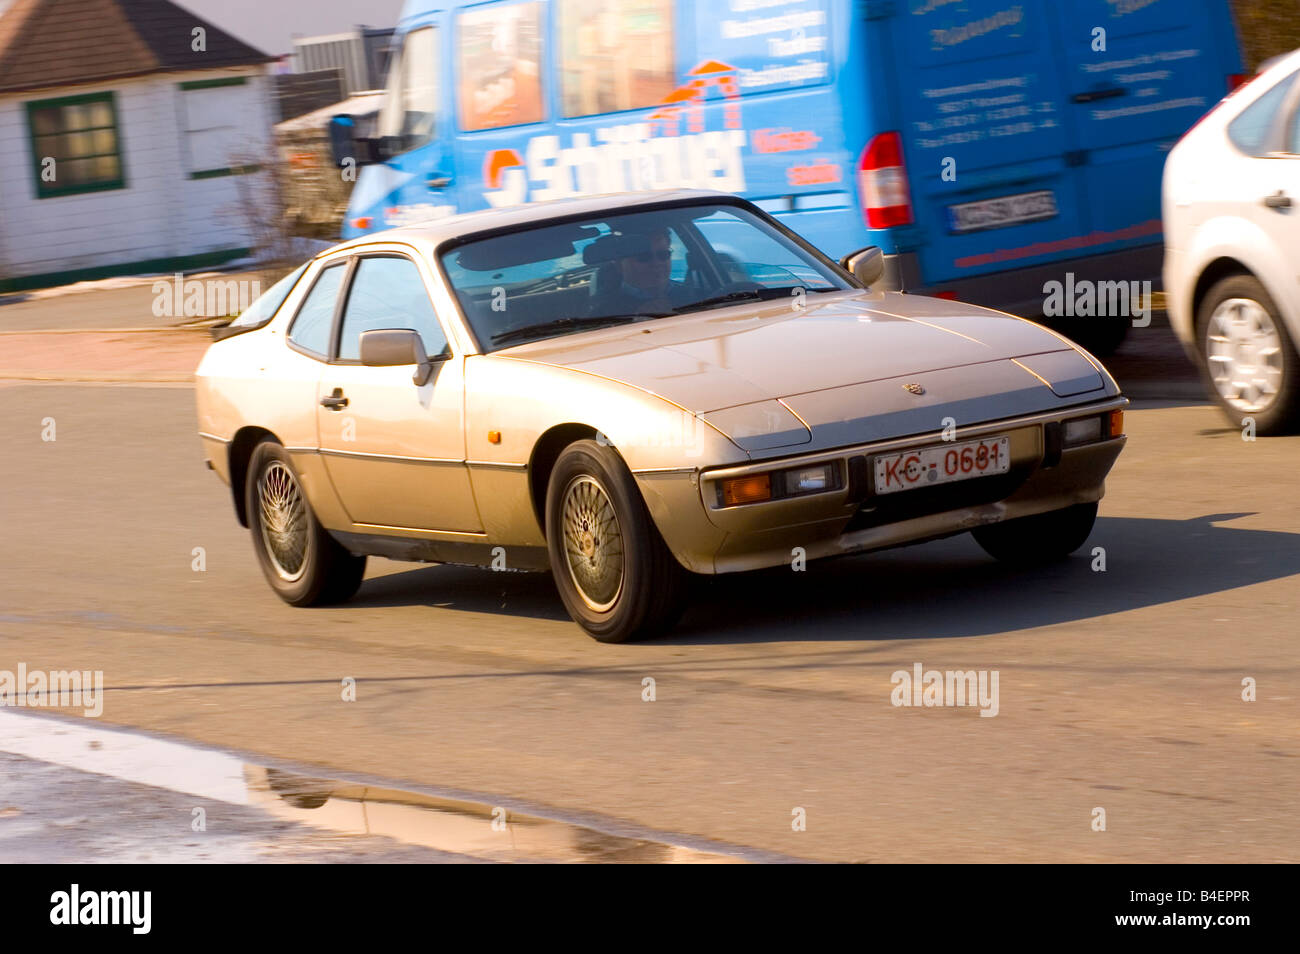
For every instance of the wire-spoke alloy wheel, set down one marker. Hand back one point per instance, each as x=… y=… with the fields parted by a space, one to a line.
x=615 y=574
x=1247 y=357
x=593 y=543
x=302 y=562
x=1244 y=352
x=283 y=520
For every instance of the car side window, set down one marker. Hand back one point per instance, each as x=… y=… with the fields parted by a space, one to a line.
x=1251 y=131
x=315 y=318
x=388 y=292
x=1292 y=144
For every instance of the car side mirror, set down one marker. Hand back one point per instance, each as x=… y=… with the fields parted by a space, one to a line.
x=391 y=347
x=866 y=265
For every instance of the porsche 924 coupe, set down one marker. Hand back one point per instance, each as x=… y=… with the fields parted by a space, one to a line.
x=631 y=390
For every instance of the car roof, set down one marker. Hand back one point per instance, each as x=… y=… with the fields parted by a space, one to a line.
x=436 y=231
x=1277 y=60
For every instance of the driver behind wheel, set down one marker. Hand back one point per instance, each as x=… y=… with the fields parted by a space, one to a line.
x=641 y=277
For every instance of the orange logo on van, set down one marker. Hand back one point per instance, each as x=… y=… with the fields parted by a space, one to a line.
x=496 y=162
x=690 y=98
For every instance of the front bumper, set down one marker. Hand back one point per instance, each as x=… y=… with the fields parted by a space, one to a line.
x=708 y=538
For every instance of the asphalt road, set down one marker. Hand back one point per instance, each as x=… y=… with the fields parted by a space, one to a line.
x=1119 y=690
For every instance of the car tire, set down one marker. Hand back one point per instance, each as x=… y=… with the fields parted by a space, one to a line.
x=1042 y=538
x=615 y=574
x=1248 y=361
x=302 y=562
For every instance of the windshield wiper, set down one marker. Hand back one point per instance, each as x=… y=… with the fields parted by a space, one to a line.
x=564 y=324
x=753 y=294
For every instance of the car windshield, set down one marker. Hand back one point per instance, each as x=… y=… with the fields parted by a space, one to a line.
x=634 y=265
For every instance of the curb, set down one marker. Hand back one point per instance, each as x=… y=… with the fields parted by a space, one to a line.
x=161 y=329
x=101 y=377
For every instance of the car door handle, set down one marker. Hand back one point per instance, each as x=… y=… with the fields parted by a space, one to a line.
x=1092 y=95
x=436 y=181
x=1278 y=200
x=336 y=401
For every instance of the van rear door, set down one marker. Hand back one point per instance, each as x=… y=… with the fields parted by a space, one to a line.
x=1132 y=91
x=984 y=138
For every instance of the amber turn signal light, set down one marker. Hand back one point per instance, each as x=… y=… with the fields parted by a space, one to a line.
x=1116 y=423
x=743 y=490
x=494 y=437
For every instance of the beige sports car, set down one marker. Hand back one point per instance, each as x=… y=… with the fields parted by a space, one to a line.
x=632 y=390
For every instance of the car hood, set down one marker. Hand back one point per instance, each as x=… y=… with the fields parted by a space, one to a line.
x=761 y=372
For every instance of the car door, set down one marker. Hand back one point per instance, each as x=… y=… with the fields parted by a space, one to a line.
x=1272 y=182
x=982 y=96
x=394 y=450
x=1138 y=76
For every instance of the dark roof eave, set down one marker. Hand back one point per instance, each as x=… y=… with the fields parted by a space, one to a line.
x=132 y=74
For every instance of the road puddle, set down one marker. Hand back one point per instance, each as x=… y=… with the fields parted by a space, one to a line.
x=337 y=807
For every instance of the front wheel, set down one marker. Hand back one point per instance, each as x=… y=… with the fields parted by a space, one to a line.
x=1042 y=538
x=614 y=572
x=302 y=562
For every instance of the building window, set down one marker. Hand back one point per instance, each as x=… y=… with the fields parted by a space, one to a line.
x=76 y=145
x=500 y=66
x=215 y=117
x=616 y=54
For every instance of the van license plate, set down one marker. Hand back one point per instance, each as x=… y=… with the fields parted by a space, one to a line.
x=1000 y=213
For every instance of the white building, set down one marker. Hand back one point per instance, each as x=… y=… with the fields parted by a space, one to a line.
x=125 y=128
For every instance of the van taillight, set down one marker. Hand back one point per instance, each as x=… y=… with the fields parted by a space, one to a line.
x=882 y=183
x=1236 y=81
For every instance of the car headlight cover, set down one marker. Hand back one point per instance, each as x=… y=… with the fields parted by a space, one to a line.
x=1082 y=430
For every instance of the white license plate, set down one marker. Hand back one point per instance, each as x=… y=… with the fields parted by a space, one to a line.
x=930 y=466
x=1001 y=212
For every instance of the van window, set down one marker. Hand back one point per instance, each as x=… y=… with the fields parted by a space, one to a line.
x=616 y=54
x=411 y=99
x=1250 y=131
x=500 y=66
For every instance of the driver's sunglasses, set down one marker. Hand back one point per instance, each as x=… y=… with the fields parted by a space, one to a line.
x=658 y=255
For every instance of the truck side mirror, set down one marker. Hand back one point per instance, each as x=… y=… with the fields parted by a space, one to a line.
x=341 y=130
x=345 y=144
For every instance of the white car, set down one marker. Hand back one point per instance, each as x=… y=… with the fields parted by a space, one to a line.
x=1231 y=205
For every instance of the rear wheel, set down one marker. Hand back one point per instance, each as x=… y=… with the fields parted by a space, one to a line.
x=614 y=572
x=1250 y=365
x=1042 y=538
x=302 y=562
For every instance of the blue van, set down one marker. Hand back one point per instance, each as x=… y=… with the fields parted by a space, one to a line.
x=987 y=147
